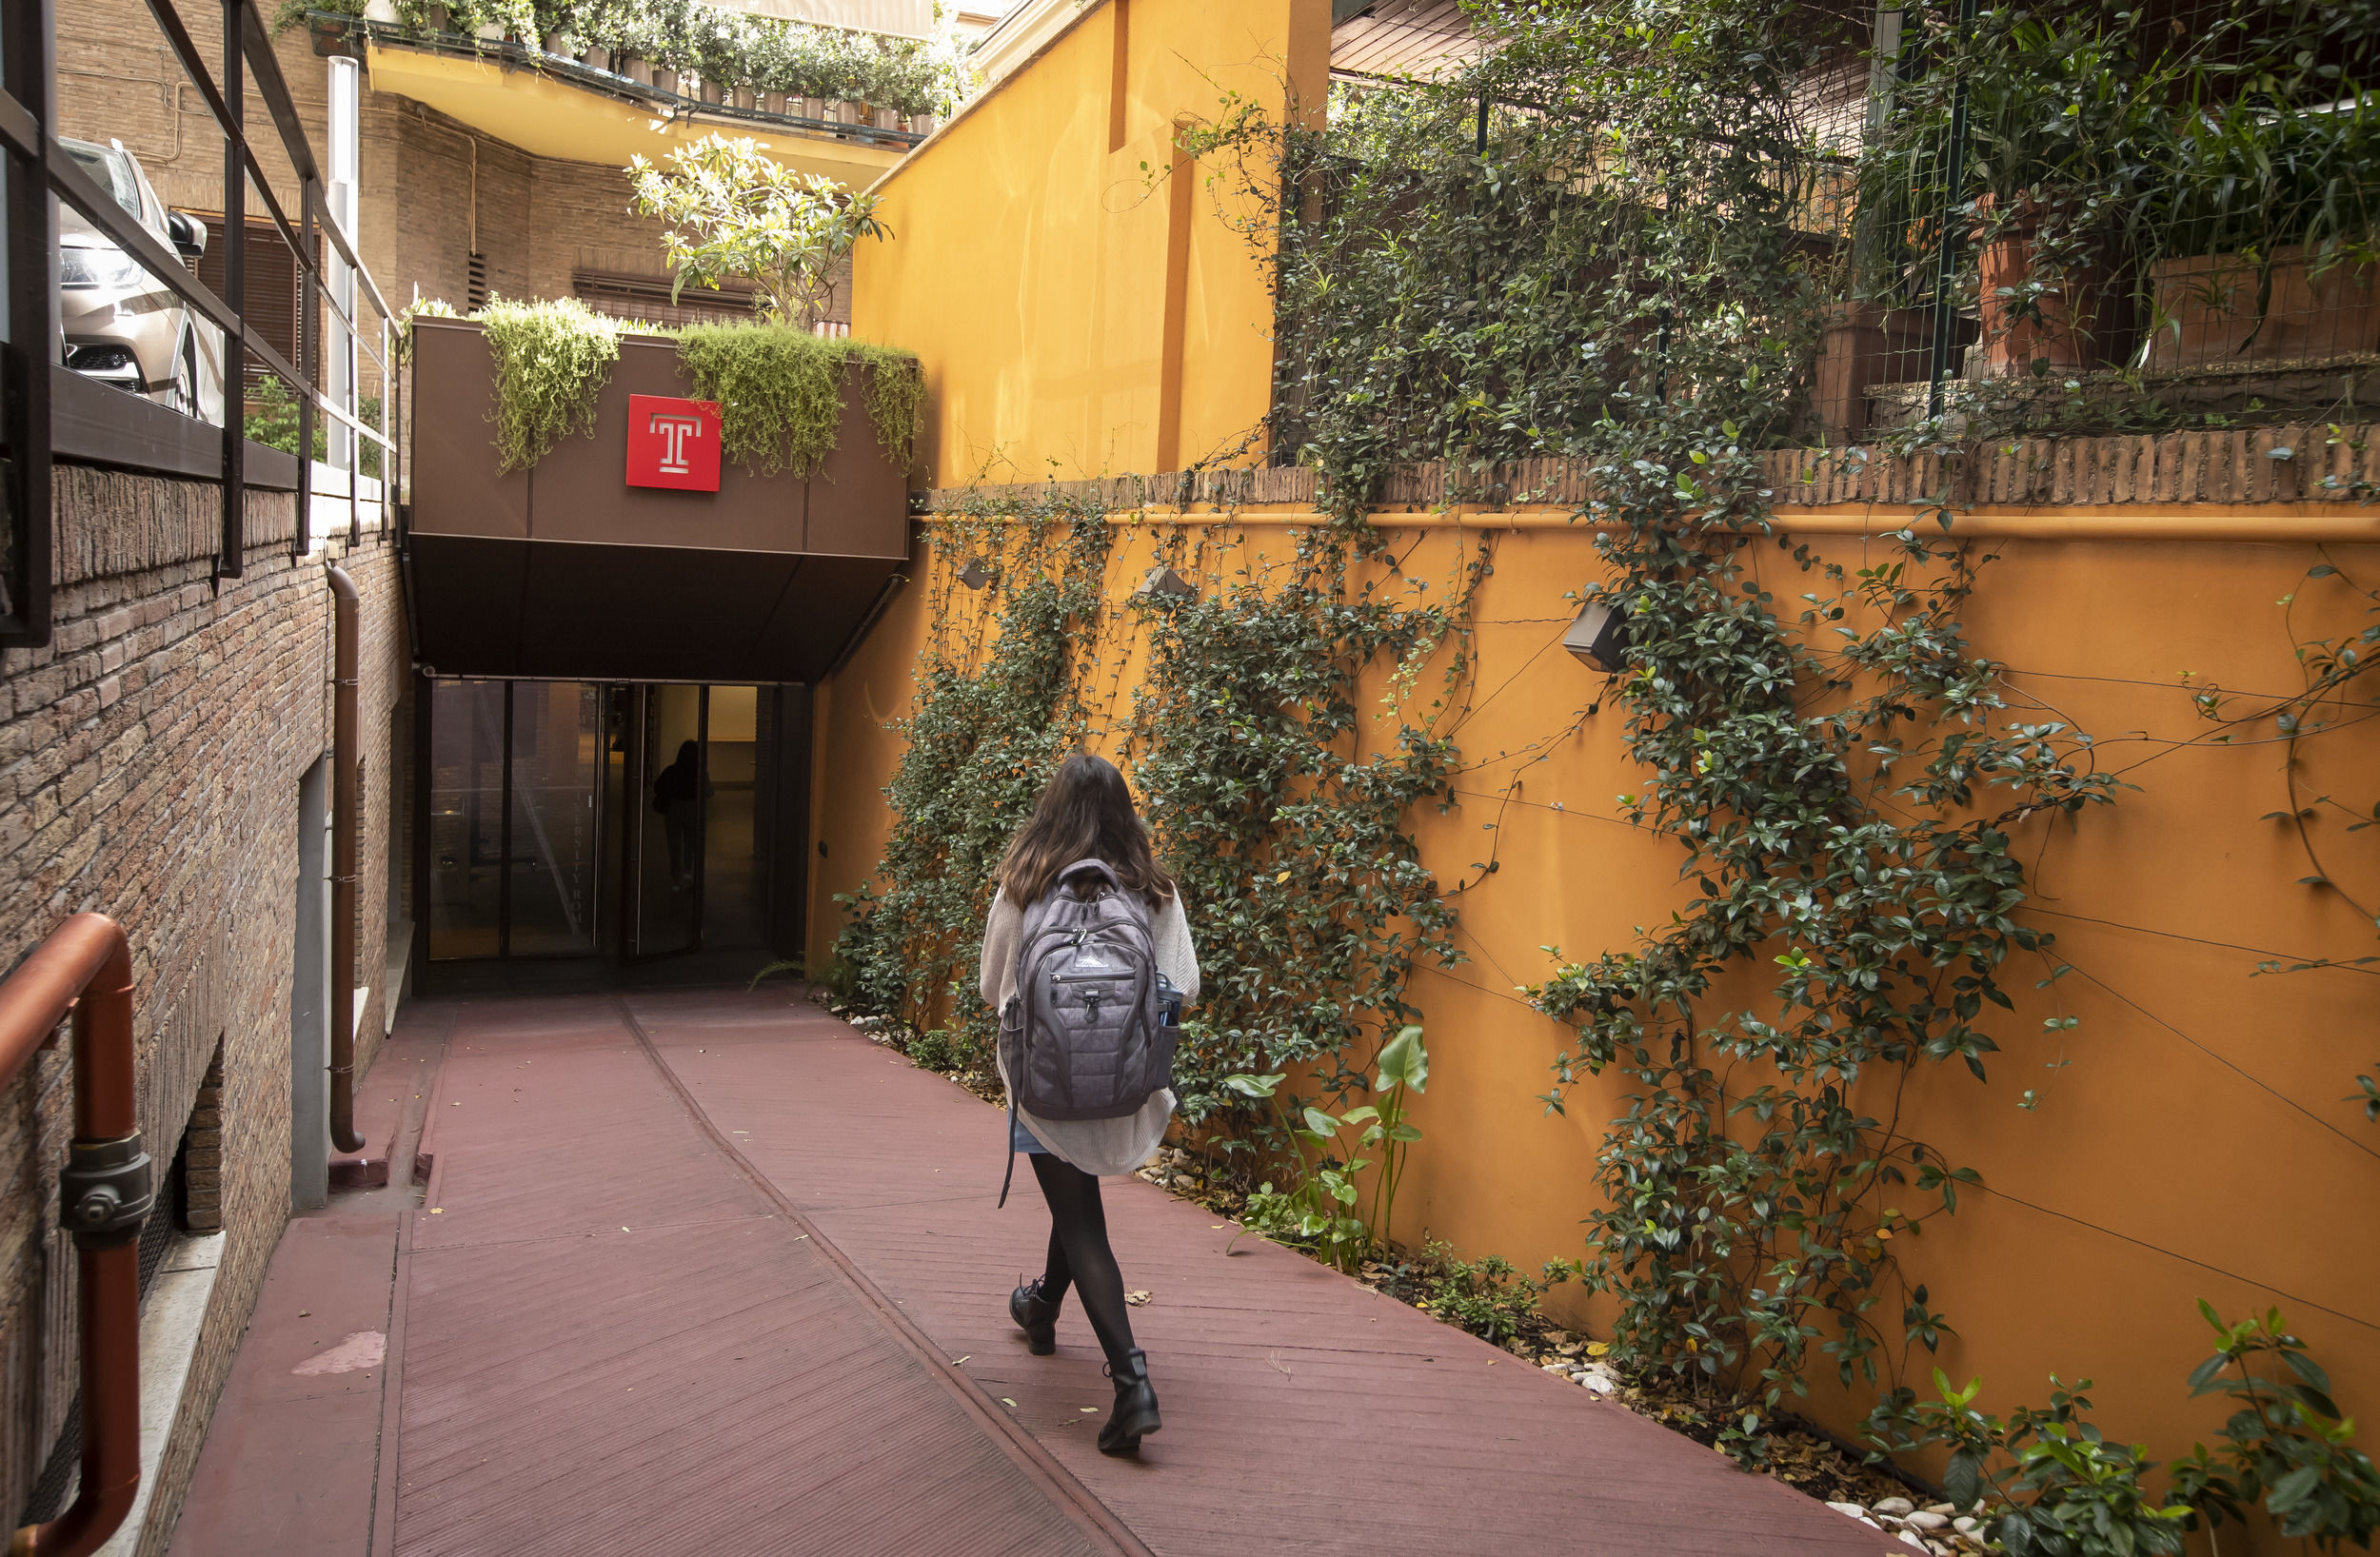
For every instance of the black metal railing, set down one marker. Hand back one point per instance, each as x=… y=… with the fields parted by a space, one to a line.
x=335 y=32
x=38 y=166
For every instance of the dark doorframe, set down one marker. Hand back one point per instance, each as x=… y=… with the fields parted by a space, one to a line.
x=702 y=806
x=503 y=832
x=422 y=701
x=620 y=937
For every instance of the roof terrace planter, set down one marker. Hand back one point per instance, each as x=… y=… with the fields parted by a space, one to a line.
x=567 y=571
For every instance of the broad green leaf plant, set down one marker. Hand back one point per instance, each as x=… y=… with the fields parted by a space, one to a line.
x=1318 y=1205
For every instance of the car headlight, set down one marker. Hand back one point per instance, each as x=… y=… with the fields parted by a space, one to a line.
x=98 y=268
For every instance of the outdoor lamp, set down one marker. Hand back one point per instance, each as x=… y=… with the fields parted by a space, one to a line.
x=1599 y=637
x=1164 y=580
x=975 y=576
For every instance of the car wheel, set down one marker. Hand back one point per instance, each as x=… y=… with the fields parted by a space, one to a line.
x=183 y=394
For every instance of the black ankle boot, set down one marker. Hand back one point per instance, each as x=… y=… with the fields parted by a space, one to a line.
x=1037 y=1316
x=1136 y=1408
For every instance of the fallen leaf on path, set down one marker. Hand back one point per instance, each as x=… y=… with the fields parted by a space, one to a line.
x=1139 y=1300
x=1010 y=1403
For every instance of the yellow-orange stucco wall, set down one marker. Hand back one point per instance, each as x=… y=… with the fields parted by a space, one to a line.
x=2193 y=1138
x=1028 y=264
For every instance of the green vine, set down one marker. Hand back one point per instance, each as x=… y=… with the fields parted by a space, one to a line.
x=1605 y=243
x=998 y=703
x=780 y=391
x=1307 y=897
x=552 y=360
x=1593 y=244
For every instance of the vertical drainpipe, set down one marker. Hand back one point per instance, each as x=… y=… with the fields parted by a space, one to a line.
x=348 y=656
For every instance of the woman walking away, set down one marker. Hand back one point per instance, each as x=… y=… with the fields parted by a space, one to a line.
x=1087 y=958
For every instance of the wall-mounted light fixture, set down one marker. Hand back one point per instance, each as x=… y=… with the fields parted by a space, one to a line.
x=1599 y=637
x=1164 y=580
x=975 y=575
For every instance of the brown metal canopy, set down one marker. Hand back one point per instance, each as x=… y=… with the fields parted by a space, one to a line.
x=566 y=572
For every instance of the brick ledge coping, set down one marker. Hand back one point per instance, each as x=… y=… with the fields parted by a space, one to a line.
x=2306 y=465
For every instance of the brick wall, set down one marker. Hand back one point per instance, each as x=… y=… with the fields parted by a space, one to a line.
x=149 y=763
x=537 y=218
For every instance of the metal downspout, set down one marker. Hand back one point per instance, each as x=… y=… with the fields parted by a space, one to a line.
x=346 y=657
x=104 y=1192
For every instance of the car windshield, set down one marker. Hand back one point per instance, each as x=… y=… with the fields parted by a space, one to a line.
x=111 y=170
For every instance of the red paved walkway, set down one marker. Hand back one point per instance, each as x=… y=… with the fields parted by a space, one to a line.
x=708 y=1272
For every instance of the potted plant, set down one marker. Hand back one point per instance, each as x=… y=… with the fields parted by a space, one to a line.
x=2055 y=105
x=2268 y=241
x=2052 y=106
x=2046 y=294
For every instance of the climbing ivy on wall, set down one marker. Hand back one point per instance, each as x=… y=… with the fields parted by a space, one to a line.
x=1283 y=818
x=1598 y=244
x=1609 y=241
x=1307 y=897
x=999 y=702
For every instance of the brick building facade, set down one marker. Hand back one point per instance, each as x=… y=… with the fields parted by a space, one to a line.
x=434 y=190
x=151 y=758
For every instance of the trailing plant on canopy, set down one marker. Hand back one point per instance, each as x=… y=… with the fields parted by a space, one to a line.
x=780 y=393
x=552 y=361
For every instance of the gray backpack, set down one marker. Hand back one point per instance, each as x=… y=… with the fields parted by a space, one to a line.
x=1084 y=1036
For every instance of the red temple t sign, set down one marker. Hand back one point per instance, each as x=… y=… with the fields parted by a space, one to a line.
x=673 y=443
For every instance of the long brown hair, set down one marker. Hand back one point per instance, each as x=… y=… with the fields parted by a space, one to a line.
x=1086 y=812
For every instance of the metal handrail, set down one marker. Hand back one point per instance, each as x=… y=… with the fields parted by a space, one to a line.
x=27 y=137
x=85 y=967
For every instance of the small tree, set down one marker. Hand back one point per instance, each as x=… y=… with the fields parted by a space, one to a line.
x=734 y=212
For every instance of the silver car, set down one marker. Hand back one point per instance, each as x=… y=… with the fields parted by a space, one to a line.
x=122 y=325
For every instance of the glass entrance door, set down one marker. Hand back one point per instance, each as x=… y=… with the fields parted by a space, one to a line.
x=639 y=820
x=516 y=818
x=700 y=876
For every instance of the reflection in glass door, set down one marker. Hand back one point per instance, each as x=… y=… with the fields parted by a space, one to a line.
x=556 y=731
x=637 y=821
x=516 y=818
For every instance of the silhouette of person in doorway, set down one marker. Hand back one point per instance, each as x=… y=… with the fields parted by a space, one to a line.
x=679 y=791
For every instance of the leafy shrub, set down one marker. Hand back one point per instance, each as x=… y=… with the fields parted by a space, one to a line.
x=2049 y=1484
x=1488 y=1298
x=274 y=424
x=552 y=361
x=2286 y=1446
x=733 y=211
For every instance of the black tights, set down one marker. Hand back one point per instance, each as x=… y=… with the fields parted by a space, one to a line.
x=1079 y=1256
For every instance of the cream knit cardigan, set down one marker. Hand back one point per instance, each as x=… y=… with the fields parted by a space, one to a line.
x=1096 y=1146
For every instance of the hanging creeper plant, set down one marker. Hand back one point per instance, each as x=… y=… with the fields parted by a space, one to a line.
x=1848 y=816
x=997 y=705
x=1307 y=897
